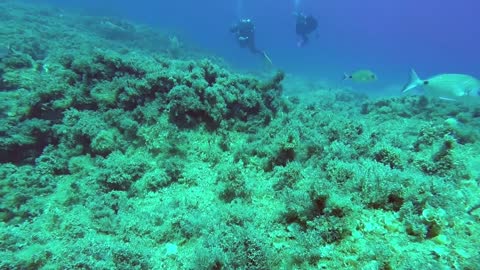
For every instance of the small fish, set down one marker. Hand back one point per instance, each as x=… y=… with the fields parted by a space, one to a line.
x=362 y=75
x=445 y=86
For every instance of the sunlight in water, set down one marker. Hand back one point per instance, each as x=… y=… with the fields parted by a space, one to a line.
x=296 y=4
x=239 y=9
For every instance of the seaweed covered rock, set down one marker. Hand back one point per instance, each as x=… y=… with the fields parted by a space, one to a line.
x=210 y=95
x=117 y=158
x=80 y=93
x=192 y=92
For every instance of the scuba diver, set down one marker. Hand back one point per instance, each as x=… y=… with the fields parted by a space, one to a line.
x=244 y=32
x=304 y=26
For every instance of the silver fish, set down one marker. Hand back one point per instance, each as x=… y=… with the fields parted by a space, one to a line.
x=445 y=86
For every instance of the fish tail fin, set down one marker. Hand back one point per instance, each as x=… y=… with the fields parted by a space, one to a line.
x=415 y=81
x=346 y=76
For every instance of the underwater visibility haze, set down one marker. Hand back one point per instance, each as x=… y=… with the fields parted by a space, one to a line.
x=390 y=37
x=239 y=134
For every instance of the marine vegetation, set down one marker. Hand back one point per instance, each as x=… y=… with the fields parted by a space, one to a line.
x=124 y=154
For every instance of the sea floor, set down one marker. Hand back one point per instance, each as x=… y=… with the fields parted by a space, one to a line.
x=123 y=148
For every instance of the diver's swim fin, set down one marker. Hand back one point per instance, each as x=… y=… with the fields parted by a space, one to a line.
x=267 y=58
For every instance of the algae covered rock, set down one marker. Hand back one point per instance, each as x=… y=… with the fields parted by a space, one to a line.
x=117 y=157
x=213 y=96
x=79 y=89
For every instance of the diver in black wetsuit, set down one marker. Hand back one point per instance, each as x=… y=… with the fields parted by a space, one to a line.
x=244 y=32
x=304 y=26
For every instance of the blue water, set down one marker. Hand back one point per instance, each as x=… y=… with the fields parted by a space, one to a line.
x=389 y=37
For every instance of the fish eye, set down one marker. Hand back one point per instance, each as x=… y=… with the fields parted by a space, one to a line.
x=425 y=82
